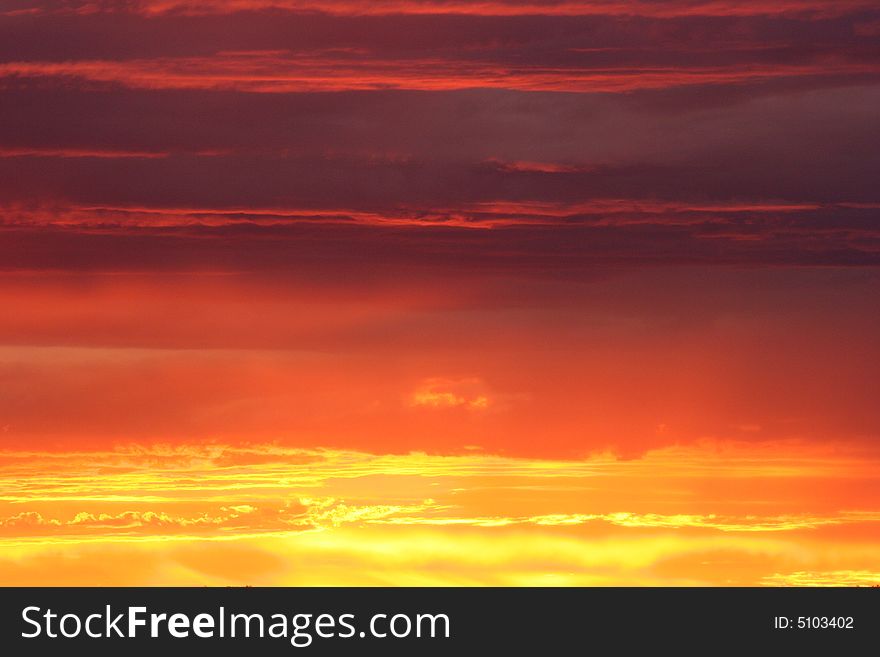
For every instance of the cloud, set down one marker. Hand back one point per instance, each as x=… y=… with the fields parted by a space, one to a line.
x=27 y=520
x=826 y=578
x=324 y=512
x=791 y=513
x=439 y=7
x=635 y=520
x=450 y=393
x=295 y=74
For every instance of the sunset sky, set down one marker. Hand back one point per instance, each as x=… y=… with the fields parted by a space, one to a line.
x=439 y=292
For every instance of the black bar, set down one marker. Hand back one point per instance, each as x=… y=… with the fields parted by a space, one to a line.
x=516 y=621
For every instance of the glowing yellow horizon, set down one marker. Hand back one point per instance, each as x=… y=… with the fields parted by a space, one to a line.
x=272 y=515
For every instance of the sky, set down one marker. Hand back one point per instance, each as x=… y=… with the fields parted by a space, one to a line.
x=433 y=292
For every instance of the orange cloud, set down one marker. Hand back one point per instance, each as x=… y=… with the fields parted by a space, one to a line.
x=447 y=393
x=272 y=73
x=492 y=7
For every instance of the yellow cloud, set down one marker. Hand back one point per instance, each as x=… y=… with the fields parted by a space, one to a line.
x=679 y=515
x=827 y=578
